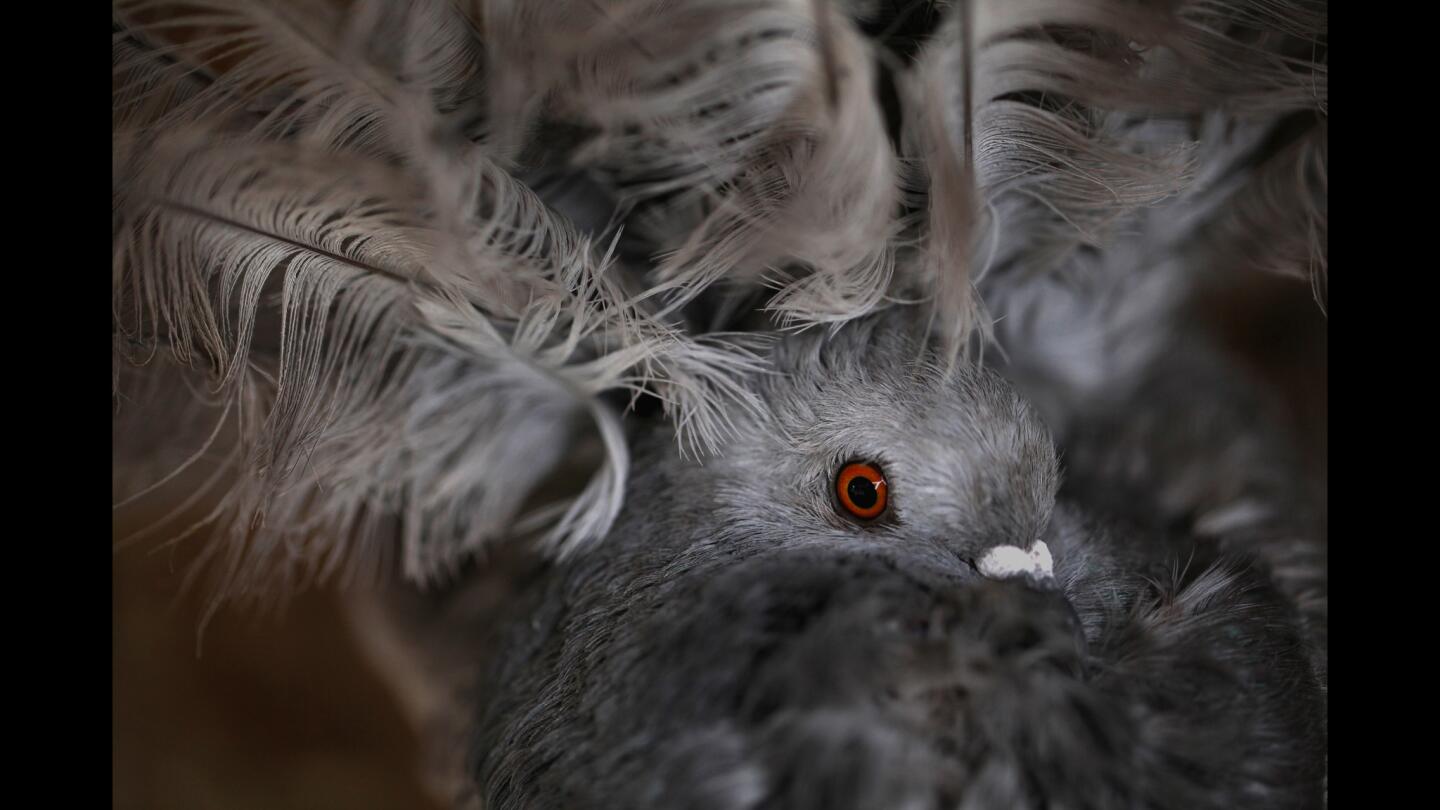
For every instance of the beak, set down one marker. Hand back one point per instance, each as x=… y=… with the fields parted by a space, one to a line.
x=1010 y=562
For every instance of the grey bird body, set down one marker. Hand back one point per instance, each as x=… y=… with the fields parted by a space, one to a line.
x=736 y=643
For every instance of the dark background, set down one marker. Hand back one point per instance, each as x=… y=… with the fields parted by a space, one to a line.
x=274 y=712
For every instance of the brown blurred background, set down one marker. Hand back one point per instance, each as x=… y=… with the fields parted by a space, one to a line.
x=274 y=712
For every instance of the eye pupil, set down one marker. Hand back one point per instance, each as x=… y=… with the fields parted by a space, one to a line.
x=862 y=492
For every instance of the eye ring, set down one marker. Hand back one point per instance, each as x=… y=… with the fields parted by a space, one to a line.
x=861 y=489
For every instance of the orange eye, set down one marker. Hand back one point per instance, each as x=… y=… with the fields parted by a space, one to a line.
x=861 y=489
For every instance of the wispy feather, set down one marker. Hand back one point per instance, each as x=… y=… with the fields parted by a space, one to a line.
x=398 y=321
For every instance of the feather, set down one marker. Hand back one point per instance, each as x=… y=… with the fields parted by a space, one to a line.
x=817 y=212
x=1122 y=178
x=745 y=132
x=670 y=95
x=947 y=164
x=1084 y=113
x=365 y=310
x=359 y=80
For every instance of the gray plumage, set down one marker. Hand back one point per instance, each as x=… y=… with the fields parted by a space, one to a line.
x=737 y=643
